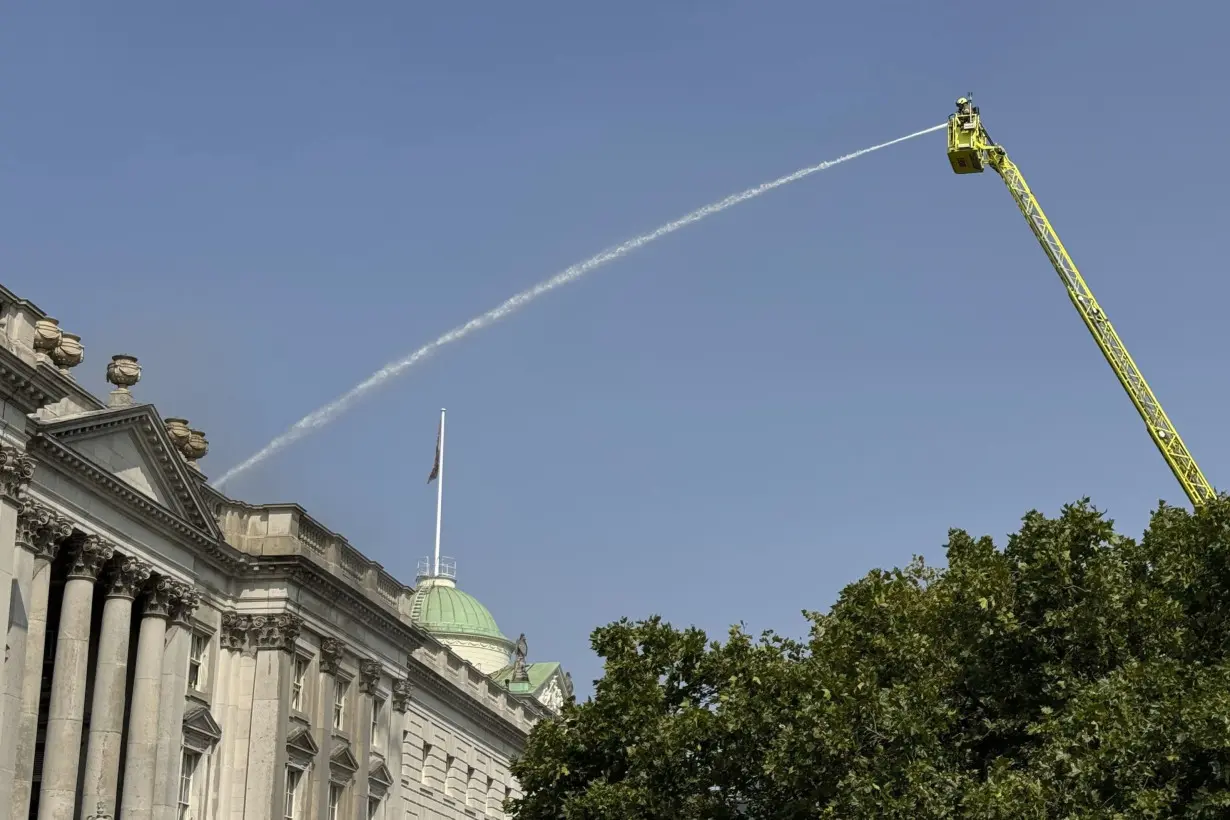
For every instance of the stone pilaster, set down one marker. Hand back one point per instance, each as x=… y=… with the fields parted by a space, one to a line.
x=140 y=760
x=273 y=637
x=236 y=714
x=184 y=601
x=16 y=470
x=122 y=581
x=62 y=752
x=322 y=721
x=369 y=683
x=403 y=691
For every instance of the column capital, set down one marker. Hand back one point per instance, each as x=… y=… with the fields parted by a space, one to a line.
x=40 y=529
x=369 y=676
x=403 y=690
x=16 y=471
x=277 y=632
x=87 y=556
x=235 y=629
x=158 y=593
x=185 y=598
x=125 y=576
x=330 y=655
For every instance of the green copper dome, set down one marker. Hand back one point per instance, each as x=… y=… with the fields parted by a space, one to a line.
x=442 y=609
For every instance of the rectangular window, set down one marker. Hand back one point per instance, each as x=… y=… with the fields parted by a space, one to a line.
x=339 y=703
x=197 y=654
x=373 y=808
x=470 y=786
x=293 y=776
x=377 y=714
x=450 y=788
x=298 y=678
x=187 y=768
x=335 y=801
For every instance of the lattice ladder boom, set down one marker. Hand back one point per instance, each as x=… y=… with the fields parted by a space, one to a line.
x=971 y=150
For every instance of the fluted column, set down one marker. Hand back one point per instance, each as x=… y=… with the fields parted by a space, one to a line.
x=273 y=637
x=122 y=580
x=140 y=759
x=62 y=753
x=40 y=531
x=369 y=682
x=184 y=602
x=322 y=721
x=16 y=470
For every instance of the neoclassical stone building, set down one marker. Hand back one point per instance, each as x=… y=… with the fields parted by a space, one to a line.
x=175 y=654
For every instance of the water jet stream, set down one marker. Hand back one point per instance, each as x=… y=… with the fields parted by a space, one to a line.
x=319 y=418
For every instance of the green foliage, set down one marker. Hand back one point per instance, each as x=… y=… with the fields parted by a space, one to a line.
x=1073 y=674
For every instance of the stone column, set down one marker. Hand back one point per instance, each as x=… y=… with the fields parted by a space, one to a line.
x=140 y=760
x=16 y=470
x=62 y=752
x=121 y=583
x=273 y=637
x=403 y=691
x=322 y=720
x=184 y=601
x=369 y=681
x=40 y=531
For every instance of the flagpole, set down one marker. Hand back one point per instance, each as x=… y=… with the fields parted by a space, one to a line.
x=439 y=498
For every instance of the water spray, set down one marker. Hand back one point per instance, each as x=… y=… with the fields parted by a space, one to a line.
x=319 y=418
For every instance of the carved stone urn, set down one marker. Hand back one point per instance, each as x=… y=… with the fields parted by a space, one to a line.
x=124 y=371
x=177 y=429
x=68 y=353
x=47 y=335
x=196 y=448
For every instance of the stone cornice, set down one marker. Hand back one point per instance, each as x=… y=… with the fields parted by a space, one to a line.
x=424 y=677
x=213 y=550
x=304 y=571
x=28 y=387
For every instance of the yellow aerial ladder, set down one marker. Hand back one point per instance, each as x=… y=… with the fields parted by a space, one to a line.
x=970 y=151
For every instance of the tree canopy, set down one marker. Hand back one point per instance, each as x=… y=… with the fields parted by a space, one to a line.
x=1074 y=673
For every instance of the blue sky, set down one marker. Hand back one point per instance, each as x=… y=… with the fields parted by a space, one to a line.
x=267 y=201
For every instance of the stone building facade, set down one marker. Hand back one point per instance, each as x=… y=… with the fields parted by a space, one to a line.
x=175 y=654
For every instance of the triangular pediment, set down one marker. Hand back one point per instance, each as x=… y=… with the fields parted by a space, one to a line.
x=343 y=759
x=131 y=444
x=379 y=773
x=301 y=743
x=201 y=731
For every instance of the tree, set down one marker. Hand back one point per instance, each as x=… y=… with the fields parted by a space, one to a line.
x=1075 y=673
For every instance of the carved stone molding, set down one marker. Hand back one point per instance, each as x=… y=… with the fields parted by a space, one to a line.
x=235 y=630
x=369 y=676
x=87 y=556
x=159 y=592
x=277 y=632
x=403 y=691
x=16 y=470
x=40 y=530
x=125 y=577
x=330 y=655
x=184 y=601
